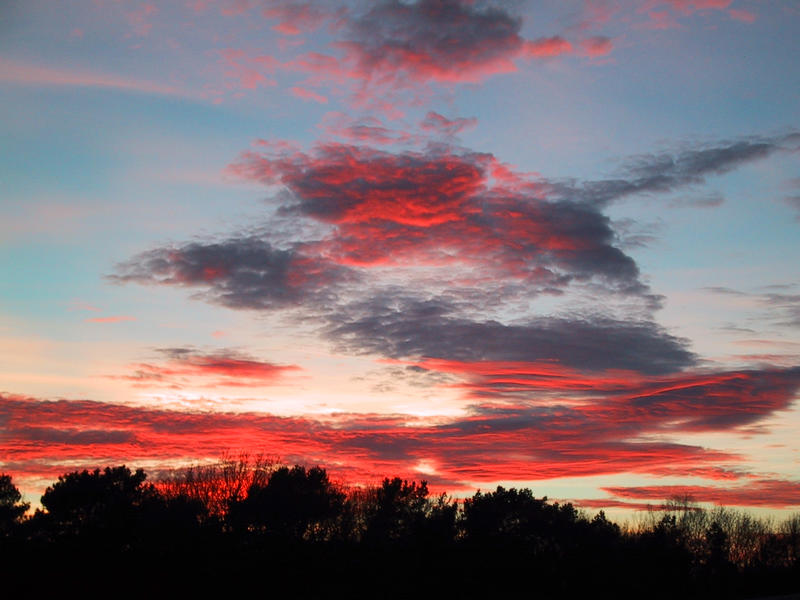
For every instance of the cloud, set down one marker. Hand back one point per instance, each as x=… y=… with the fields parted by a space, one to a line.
x=401 y=328
x=778 y=308
x=745 y=16
x=249 y=70
x=392 y=44
x=296 y=17
x=305 y=94
x=767 y=493
x=597 y=45
x=794 y=203
x=440 y=207
x=711 y=200
x=547 y=47
x=444 y=40
x=436 y=123
x=115 y=319
x=24 y=73
x=785 y=308
x=662 y=13
x=667 y=172
x=600 y=503
x=189 y=367
x=365 y=130
x=239 y=272
x=509 y=442
x=139 y=18
x=469 y=235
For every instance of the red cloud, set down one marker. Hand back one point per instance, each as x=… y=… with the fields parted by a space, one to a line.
x=769 y=493
x=683 y=402
x=186 y=366
x=596 y=432
x=439 y=208
x=546 y=47
x=483 y=448
x=395 y=45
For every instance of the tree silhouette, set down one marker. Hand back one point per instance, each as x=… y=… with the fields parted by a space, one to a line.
x=294 y=503
x=395 y=510
x=516 y=514
x=11 y=507
x=104 y=504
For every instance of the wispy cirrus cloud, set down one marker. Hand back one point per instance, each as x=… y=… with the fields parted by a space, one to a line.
x=25 y=73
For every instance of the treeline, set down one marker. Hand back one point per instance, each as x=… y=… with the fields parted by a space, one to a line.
x=252 y=524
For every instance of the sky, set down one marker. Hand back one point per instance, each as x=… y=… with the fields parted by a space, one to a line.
x=544 y=244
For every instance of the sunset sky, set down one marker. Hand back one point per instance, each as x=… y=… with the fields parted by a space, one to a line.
x=545 y=244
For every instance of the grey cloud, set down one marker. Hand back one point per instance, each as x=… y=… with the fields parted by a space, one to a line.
x=238 y=272
x=447 y=34
x=413 y=328
x=666 y=172
x=70 y=436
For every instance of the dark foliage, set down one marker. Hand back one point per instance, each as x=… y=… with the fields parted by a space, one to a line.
x=11 y=506
x=241 y=526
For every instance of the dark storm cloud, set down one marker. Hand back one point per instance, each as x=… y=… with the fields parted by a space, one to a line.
x=402 y=328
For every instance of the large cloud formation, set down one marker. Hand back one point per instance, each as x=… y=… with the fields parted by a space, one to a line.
x=609 y=433
x=422 y=254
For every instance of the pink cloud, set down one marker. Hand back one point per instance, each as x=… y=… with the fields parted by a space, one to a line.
x=249 y=70
x=22 y=73
x=297 y=17
x=139 y=19
x=306 y=94
x=434 y=122
x=547 y=47
x=744 y=16
x=115 y=319
x=597 y=46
